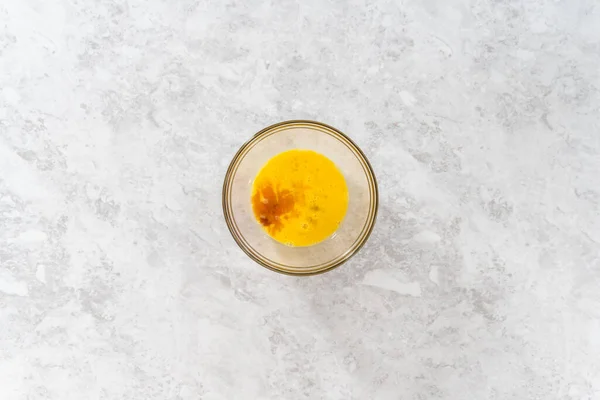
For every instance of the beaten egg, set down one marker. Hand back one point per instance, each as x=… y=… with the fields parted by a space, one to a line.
x=299 y=197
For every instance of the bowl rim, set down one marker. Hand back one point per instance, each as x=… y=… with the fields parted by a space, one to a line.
x=281 y=268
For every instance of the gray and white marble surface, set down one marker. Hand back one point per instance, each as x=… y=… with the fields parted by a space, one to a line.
x=120 y=280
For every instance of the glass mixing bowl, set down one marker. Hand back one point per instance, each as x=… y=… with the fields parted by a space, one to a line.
x=352 y=233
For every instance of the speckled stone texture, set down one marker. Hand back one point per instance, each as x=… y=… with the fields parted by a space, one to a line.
x=120 y=280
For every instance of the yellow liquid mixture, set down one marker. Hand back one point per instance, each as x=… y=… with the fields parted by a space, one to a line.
x=299 y=197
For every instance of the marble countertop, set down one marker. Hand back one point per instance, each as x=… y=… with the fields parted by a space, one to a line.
x=120 y=280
